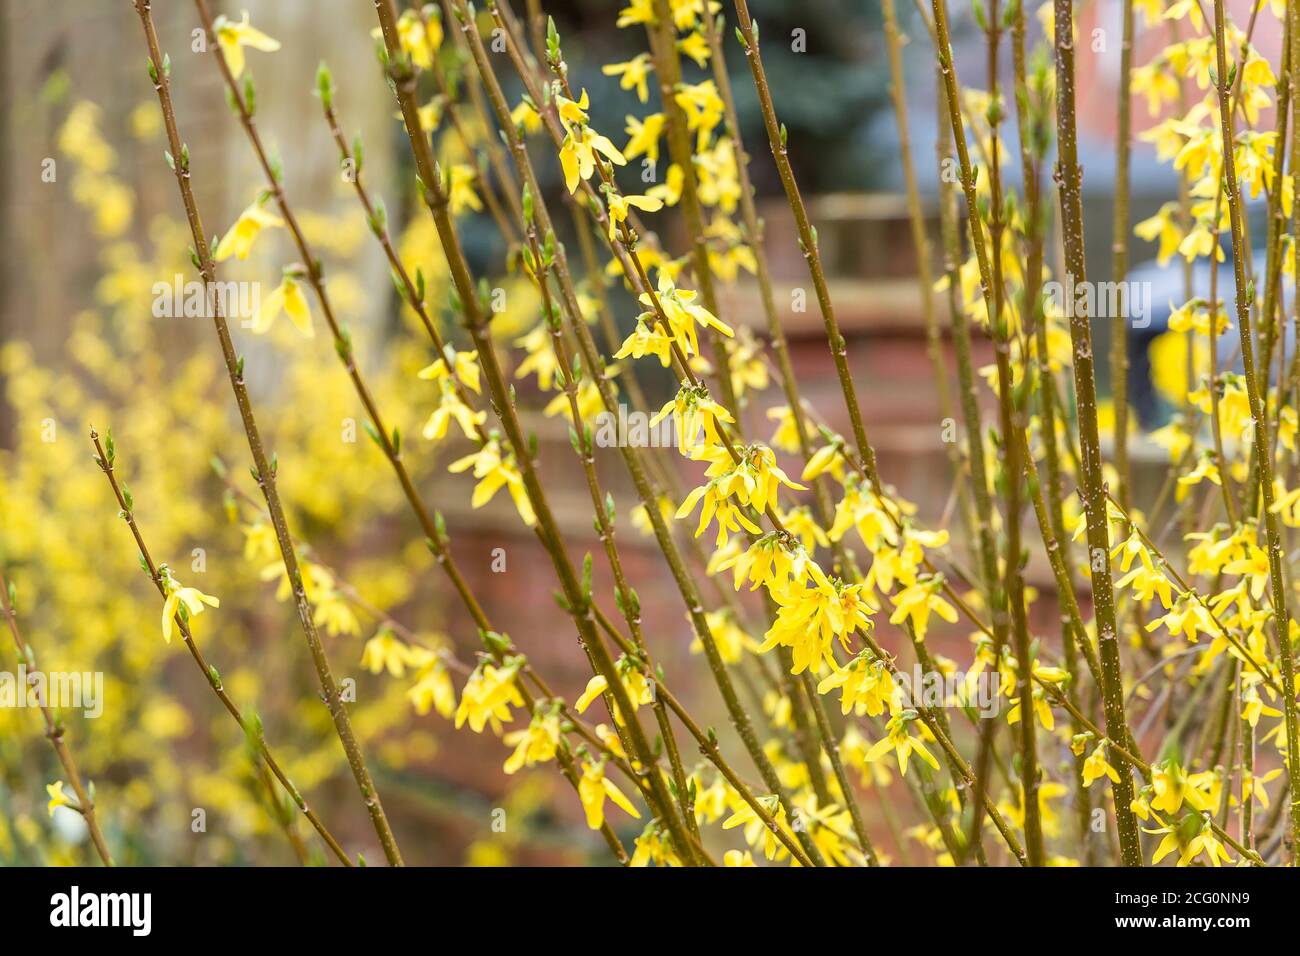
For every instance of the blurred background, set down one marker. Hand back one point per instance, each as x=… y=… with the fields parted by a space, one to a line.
x=90 y=221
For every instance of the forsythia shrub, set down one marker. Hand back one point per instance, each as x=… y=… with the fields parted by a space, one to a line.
x=1153 y=723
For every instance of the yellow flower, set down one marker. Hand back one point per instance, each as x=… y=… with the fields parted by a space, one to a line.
x=188 y=602
x=465 y=364
x=653 y=846
x=1200 y=242
x=1205 y=470
x=696 y=416
x=634 y=73
x=866 y=686
x=679 y=306
x=386 y=651
x=535 y=744
x=461 y=196
x=918 y=600
x=647 y=339
x=495 y=472
x=417 y=42
x=1189 y=9
x=1202 y=840
x=594 y=788
x=645 y=136
x=1169 y=783
x=1096 y=766
x=756 y=831
x=827 y=458
x=578 y=154
x=1187 y=617
x=287 y=297
x=903 y=743
x=1162 y=226
x=451 y=408
x=595 y=687
x=696 y=47
x=239 y=238
x=57 y=797
x=259 y=541
x=811 y=615
x=799 y=521
x=618 y=206
x=488 y=695
x=525 y=117
x=637 y=11
x=670 y=190
x=233 y=36
x=433 y=689
x=1155 y=80
x=730 y=639
x=703 y=108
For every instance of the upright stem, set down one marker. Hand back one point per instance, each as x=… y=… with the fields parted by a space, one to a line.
x=159 y=71
x=577 y=597
x=1092 y=492
x=1263 y=454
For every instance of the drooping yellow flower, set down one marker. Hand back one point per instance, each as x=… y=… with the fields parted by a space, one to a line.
x=452 y=409
x=653 y=846
x=433 y=689
x=696 y=47
x=488 y=696
x=703 y=108
x=188 y=602
x=461 y=180
x=57 y=797
x=618 y=206
x=386 y=651
x=812 y=614
x=465 y=365
x=494 y=472
x=233 y=36
x=239 y=238
x=637 y=11
x=526 y=118
x=1163 y=226
x=1171 y=789
x=594 y=788
x=670 y=190
x=1192 y=836
x=415 y=40
x=1097 y=766
x=645 y=136
x=288 y=298
x=634 y=73
x=648 y=338
x=917 y=601
x=757 y=833
x=866 y=686
x=696 y=416
x=904 y=744
x=578 y=154
x=537 y=743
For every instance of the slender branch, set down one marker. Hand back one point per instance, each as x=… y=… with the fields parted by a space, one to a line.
x=159 y=71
